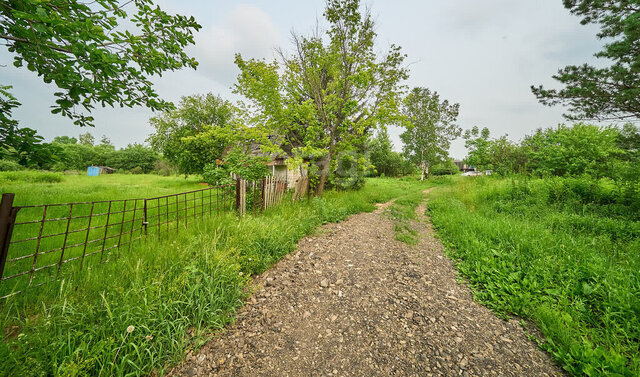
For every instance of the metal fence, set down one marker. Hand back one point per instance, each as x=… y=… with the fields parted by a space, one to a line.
x=40 y=243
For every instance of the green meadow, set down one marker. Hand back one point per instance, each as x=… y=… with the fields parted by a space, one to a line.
x=175 y=291
x=563 y=253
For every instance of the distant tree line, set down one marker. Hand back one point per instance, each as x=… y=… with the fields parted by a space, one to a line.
x=578 y=150
x=25 y=149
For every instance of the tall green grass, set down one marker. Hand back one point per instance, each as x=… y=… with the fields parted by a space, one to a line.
x=36 y=187
x=174 y=291
x=563 y=252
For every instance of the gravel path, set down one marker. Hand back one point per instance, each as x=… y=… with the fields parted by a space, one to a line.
x=353 y=301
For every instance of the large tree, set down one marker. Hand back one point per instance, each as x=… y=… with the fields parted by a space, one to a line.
x=431 y=128
x=194 y=133
x=330 y=93
x=608 y=93
x=96 y=52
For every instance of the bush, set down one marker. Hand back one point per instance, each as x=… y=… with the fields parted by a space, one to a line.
x=445 y=168
x=162 y=168
x=137 y=170
x=350 y=172
x=7 y=165
x=236 y=162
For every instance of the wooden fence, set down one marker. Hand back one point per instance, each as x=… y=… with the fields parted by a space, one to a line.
x=39 y=243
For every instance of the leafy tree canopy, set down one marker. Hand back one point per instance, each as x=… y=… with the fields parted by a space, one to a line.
x=330 y=93
x=95 y=52
x=581 y=149
x=431 y=128
x=194 y=133
x=386 y=161
x=613 y=92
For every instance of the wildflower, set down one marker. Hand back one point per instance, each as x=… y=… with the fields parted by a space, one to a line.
x=130 y=329
x=149 y=337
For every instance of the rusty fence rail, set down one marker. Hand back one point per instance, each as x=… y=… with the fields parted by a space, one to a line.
x=38 y=243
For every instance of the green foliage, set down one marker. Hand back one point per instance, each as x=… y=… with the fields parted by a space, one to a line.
x=602 y=93
x=66 y=140
x=238 y=163
x=350 y=172
x=581 y=149
x=133 y=156
x=86 y=139
x=387 y=162
x=72 y=156
x=330 y=94
x=174 y=291
x=447 y=167
x=8 y=165
x=430 y=129
x=561 y=252
x=500 y=155
x=95 y=53
x=195 y=133
x=25 y=146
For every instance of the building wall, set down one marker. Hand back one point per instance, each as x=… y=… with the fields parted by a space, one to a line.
x=290 y=175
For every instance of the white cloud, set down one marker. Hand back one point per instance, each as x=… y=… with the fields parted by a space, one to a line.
x=246 y=30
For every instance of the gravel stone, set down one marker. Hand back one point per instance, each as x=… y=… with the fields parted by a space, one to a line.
x=400 y=310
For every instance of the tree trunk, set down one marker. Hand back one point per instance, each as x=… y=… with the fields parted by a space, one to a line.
x=323 y=171
x=422 y=166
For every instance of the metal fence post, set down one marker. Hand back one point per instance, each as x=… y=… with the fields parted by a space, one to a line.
x=238 y=194
x=7 y=219
x=144 y=220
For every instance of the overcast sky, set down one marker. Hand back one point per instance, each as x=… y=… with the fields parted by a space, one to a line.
x=482 y=54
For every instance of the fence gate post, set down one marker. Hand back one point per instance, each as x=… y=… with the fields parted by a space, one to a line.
x=238 y=206
x=7 y=220
x=264 y=183
x=144 y=219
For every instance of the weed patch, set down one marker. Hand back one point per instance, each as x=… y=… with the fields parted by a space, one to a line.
x=562 y=252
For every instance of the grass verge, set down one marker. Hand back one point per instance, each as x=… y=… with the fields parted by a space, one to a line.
x=562 y=252
x=403 y=209
x=174 y=292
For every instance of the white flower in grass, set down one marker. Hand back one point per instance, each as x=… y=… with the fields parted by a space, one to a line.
x=130 y=329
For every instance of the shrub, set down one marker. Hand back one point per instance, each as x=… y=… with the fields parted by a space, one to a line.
x=136 y=170
x=8 y=165
x=350 y=172
x=162 y=168
x=236 y=162
x=445 y=168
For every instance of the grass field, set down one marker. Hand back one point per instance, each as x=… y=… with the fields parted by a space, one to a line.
x=50 y=241
x=562 y=252
x=174 y=292
x=32 y=187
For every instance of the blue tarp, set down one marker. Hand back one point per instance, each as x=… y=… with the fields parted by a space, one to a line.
x=93 y=171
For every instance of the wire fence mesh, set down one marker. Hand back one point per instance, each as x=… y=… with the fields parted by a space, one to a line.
x=40 y=243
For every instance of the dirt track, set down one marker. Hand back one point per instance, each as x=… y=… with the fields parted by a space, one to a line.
x=353 y=301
